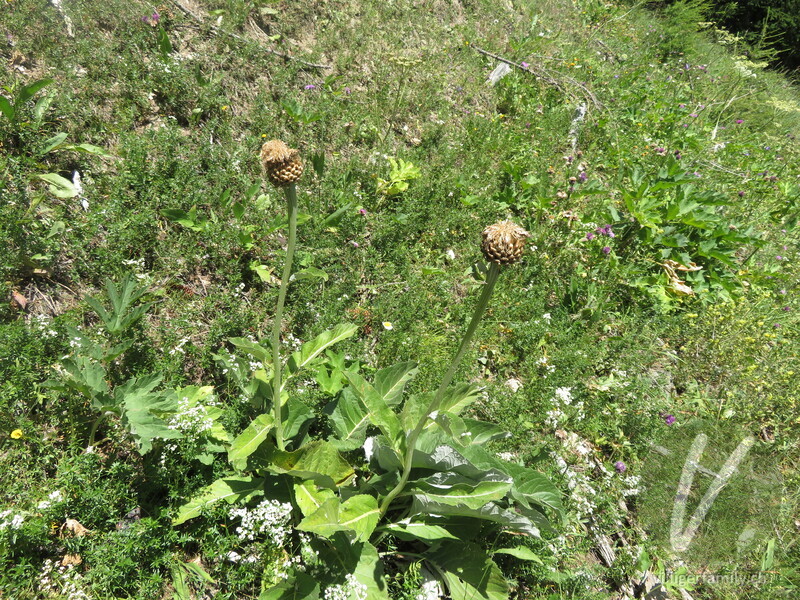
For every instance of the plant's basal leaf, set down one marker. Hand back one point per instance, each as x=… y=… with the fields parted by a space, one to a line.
x=58 y=185
x=250 y=439
x=357 y=516
x=458 y=397
x=310 y=350
x=318 y=461
x=27 y=92
x=520 y=552
x=469 y=431
x=532 y=486
x=469 y=572
x=260 y=352
x=296 y=417
x=379 y=412
x=230 y=489
x=418 y=530
x=391 y=381
x=491 y=512
x=301 y=586
x=457 y=490
x=350 y=420
x=360 y=514
x=310 y=498
x=359 y=558
x=88 y=149
x=140 y=406
x=54 y=142
x=6 y=108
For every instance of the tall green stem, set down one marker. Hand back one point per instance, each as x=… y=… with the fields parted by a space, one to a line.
x=291 y=199
x=411 y=441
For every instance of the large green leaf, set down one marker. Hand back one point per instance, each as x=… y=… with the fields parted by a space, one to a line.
x=379 y=412
x=301 y=586
x=140 y=409
x=58 y=185
x=418 y=530
x=469 y=431
x=249 y=440
x=520 y=552
x=470 y=574
x=309 y=497
x=27 y=92
x=318 y=461
x=7 y=108
x=254 y=349
x=458 y=490
x=508 y=519
x=296 y=417
x=458 y=397
x=310 y=350
x=358 y=516
x=342 y=556
x=230 y=489
x=349 y=419
x=391 y=381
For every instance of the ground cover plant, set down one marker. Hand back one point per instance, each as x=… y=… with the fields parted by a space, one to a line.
x=403 y=300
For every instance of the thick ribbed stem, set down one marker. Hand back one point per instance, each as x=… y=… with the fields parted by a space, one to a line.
x=291 y=199
x=411 y=441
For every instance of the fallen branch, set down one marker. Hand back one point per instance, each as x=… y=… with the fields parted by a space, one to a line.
x=219 y=30
x=546 y=74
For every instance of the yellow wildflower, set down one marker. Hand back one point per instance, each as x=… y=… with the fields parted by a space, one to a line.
x=16 y=434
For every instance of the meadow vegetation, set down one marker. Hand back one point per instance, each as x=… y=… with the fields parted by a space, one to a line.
x=433 y=424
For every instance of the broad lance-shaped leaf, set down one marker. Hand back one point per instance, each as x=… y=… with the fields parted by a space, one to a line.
x=469 y=572
x=418 y=530
x=520 y=552
x=300 y=586
x=252 y=348
x=379 y=412
x=457 y=490
x=230 y=489
x=310 y=350
x=250 y=439
x=358 y=514
x=360 y=559
x=318 y=461
x=309 y=497
x=391 y=381
x=529 y=485
x=508 y=519
x=349 y=419
x=469 y=431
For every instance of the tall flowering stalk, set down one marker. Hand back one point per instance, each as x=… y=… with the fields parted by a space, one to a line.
x=283 y=167
x=503 y=244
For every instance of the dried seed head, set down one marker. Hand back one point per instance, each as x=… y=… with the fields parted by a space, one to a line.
x=282 y=164
x=504 y=242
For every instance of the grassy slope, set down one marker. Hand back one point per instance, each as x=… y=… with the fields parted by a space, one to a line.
x=406 y=80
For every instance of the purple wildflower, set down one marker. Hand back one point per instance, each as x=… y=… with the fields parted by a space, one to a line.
x=310 y=86
x=524 y=65
x=583 y=176
x=669 y=419
x=693 y=115
x=590 y=236
x=606 y=250
x=739 y=121
x=620 y=467
x=363 y=211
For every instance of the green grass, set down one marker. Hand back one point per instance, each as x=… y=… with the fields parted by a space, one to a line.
x=183 y=126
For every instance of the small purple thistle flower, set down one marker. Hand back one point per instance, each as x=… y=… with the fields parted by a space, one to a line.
x=620 y=466
x=310 y=86
x=606 y=250
x=739 y=121
x=524 y=65
x=583 y=176
x=669 y=419
x=363 y=211
x=590 y=236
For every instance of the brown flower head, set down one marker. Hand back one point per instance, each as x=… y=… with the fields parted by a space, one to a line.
x=282 y=164
x=504 y=242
